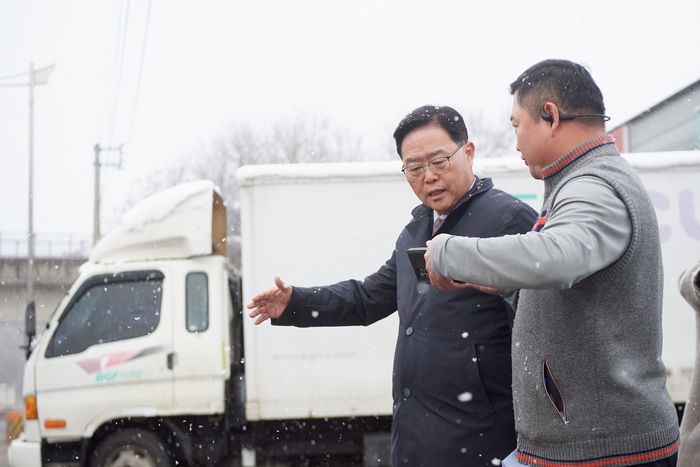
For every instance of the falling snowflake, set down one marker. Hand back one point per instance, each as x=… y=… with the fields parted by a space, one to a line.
x=465 y=397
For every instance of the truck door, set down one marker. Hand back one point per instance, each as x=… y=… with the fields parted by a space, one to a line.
x=109 y=354
x=199 y=338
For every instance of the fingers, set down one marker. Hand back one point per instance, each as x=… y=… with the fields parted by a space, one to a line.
x=270 y=303
x=280 y=284
x=261 y=318
x=256 y=312
x=259 y=314
x=258 y=299
x=268 y=294
x=483 y=288
x=454 y=285
x=438 y=281
x=435 y=279
x=444 y=284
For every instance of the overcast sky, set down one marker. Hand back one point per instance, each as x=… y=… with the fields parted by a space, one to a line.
x=362 y=64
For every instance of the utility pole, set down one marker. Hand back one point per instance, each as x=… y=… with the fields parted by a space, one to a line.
x=35 y=77
x=30 y=230
x=96 y=213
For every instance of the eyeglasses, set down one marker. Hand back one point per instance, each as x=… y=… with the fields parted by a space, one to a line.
x=439 y=165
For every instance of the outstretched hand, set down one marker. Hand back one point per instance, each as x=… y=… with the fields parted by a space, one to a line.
x=270 y=303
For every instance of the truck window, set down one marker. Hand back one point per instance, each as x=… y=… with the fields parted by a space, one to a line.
x=197 y=302
x=108 y=312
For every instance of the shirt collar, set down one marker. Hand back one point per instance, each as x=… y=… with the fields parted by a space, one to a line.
x=435 y=213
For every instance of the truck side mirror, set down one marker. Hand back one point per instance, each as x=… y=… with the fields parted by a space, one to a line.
x=30 y=320
x=29 y=327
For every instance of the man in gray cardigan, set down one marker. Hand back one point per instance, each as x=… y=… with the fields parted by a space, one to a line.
x=588 y=379
x=689 y=453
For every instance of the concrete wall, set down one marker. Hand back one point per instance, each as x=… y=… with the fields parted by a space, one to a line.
x=53 y=279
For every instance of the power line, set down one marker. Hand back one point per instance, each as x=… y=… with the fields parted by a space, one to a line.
x=138 y=83
x=122 y=119
x=125 y=89
x=120 y=69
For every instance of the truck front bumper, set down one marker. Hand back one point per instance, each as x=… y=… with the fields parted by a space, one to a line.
x=23 y=453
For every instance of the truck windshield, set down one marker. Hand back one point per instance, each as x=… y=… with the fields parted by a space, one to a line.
x=107 y=313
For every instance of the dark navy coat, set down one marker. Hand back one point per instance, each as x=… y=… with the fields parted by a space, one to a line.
x=452 y=369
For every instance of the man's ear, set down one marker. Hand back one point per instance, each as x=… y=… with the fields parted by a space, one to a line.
x=469 y=150
x=550 y=113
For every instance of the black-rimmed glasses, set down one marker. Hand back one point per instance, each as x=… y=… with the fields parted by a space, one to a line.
x=439 y=165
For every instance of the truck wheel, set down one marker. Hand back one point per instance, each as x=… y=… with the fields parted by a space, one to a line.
x=131 y=448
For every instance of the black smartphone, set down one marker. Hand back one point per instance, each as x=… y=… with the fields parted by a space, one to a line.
x=416 y=256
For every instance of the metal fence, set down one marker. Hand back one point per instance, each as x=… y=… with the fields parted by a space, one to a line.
x=46 y=245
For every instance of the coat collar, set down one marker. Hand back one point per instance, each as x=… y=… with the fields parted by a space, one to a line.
x=423 y=215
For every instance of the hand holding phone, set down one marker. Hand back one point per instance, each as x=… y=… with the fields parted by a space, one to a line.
x=417 y=258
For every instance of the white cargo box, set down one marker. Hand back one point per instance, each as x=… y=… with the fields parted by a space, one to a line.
x=317 y=224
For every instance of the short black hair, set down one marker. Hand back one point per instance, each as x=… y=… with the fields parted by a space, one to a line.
x=569 y=85
x=444 y=117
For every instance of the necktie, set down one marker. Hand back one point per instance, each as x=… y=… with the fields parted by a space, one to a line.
x=437 y=224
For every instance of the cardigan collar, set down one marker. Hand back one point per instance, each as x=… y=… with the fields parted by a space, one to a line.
x=575 y=155
x=554 y=173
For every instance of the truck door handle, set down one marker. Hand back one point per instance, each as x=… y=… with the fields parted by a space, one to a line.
x=171 y=360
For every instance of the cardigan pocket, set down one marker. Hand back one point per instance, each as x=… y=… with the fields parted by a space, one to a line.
x=553 y=392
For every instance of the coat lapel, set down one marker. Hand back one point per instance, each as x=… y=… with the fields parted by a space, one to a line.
x=422 y=224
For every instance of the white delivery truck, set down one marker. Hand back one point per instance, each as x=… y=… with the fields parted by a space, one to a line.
x=150 y=360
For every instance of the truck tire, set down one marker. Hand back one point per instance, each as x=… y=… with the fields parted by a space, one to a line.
x=131 y=448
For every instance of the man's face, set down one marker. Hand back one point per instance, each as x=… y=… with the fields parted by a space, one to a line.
x=440 y=192
x=531 y=139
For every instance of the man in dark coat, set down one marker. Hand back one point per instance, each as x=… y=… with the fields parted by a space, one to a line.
x=452 y=370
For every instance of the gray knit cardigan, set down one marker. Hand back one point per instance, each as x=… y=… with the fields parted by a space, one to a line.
x=588 y=379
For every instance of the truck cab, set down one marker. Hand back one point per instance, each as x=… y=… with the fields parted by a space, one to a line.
x=143 y=357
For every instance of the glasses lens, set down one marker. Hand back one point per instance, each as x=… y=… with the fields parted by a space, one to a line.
x=440 y=165
x=414 y=173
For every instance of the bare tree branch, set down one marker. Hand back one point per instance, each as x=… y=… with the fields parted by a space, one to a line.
x=491 y=140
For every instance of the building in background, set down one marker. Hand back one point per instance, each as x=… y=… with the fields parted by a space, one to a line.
x=671 y=125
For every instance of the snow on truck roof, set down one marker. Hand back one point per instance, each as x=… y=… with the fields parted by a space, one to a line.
x=181 y=222
x=250 y=173
x=484 y=167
